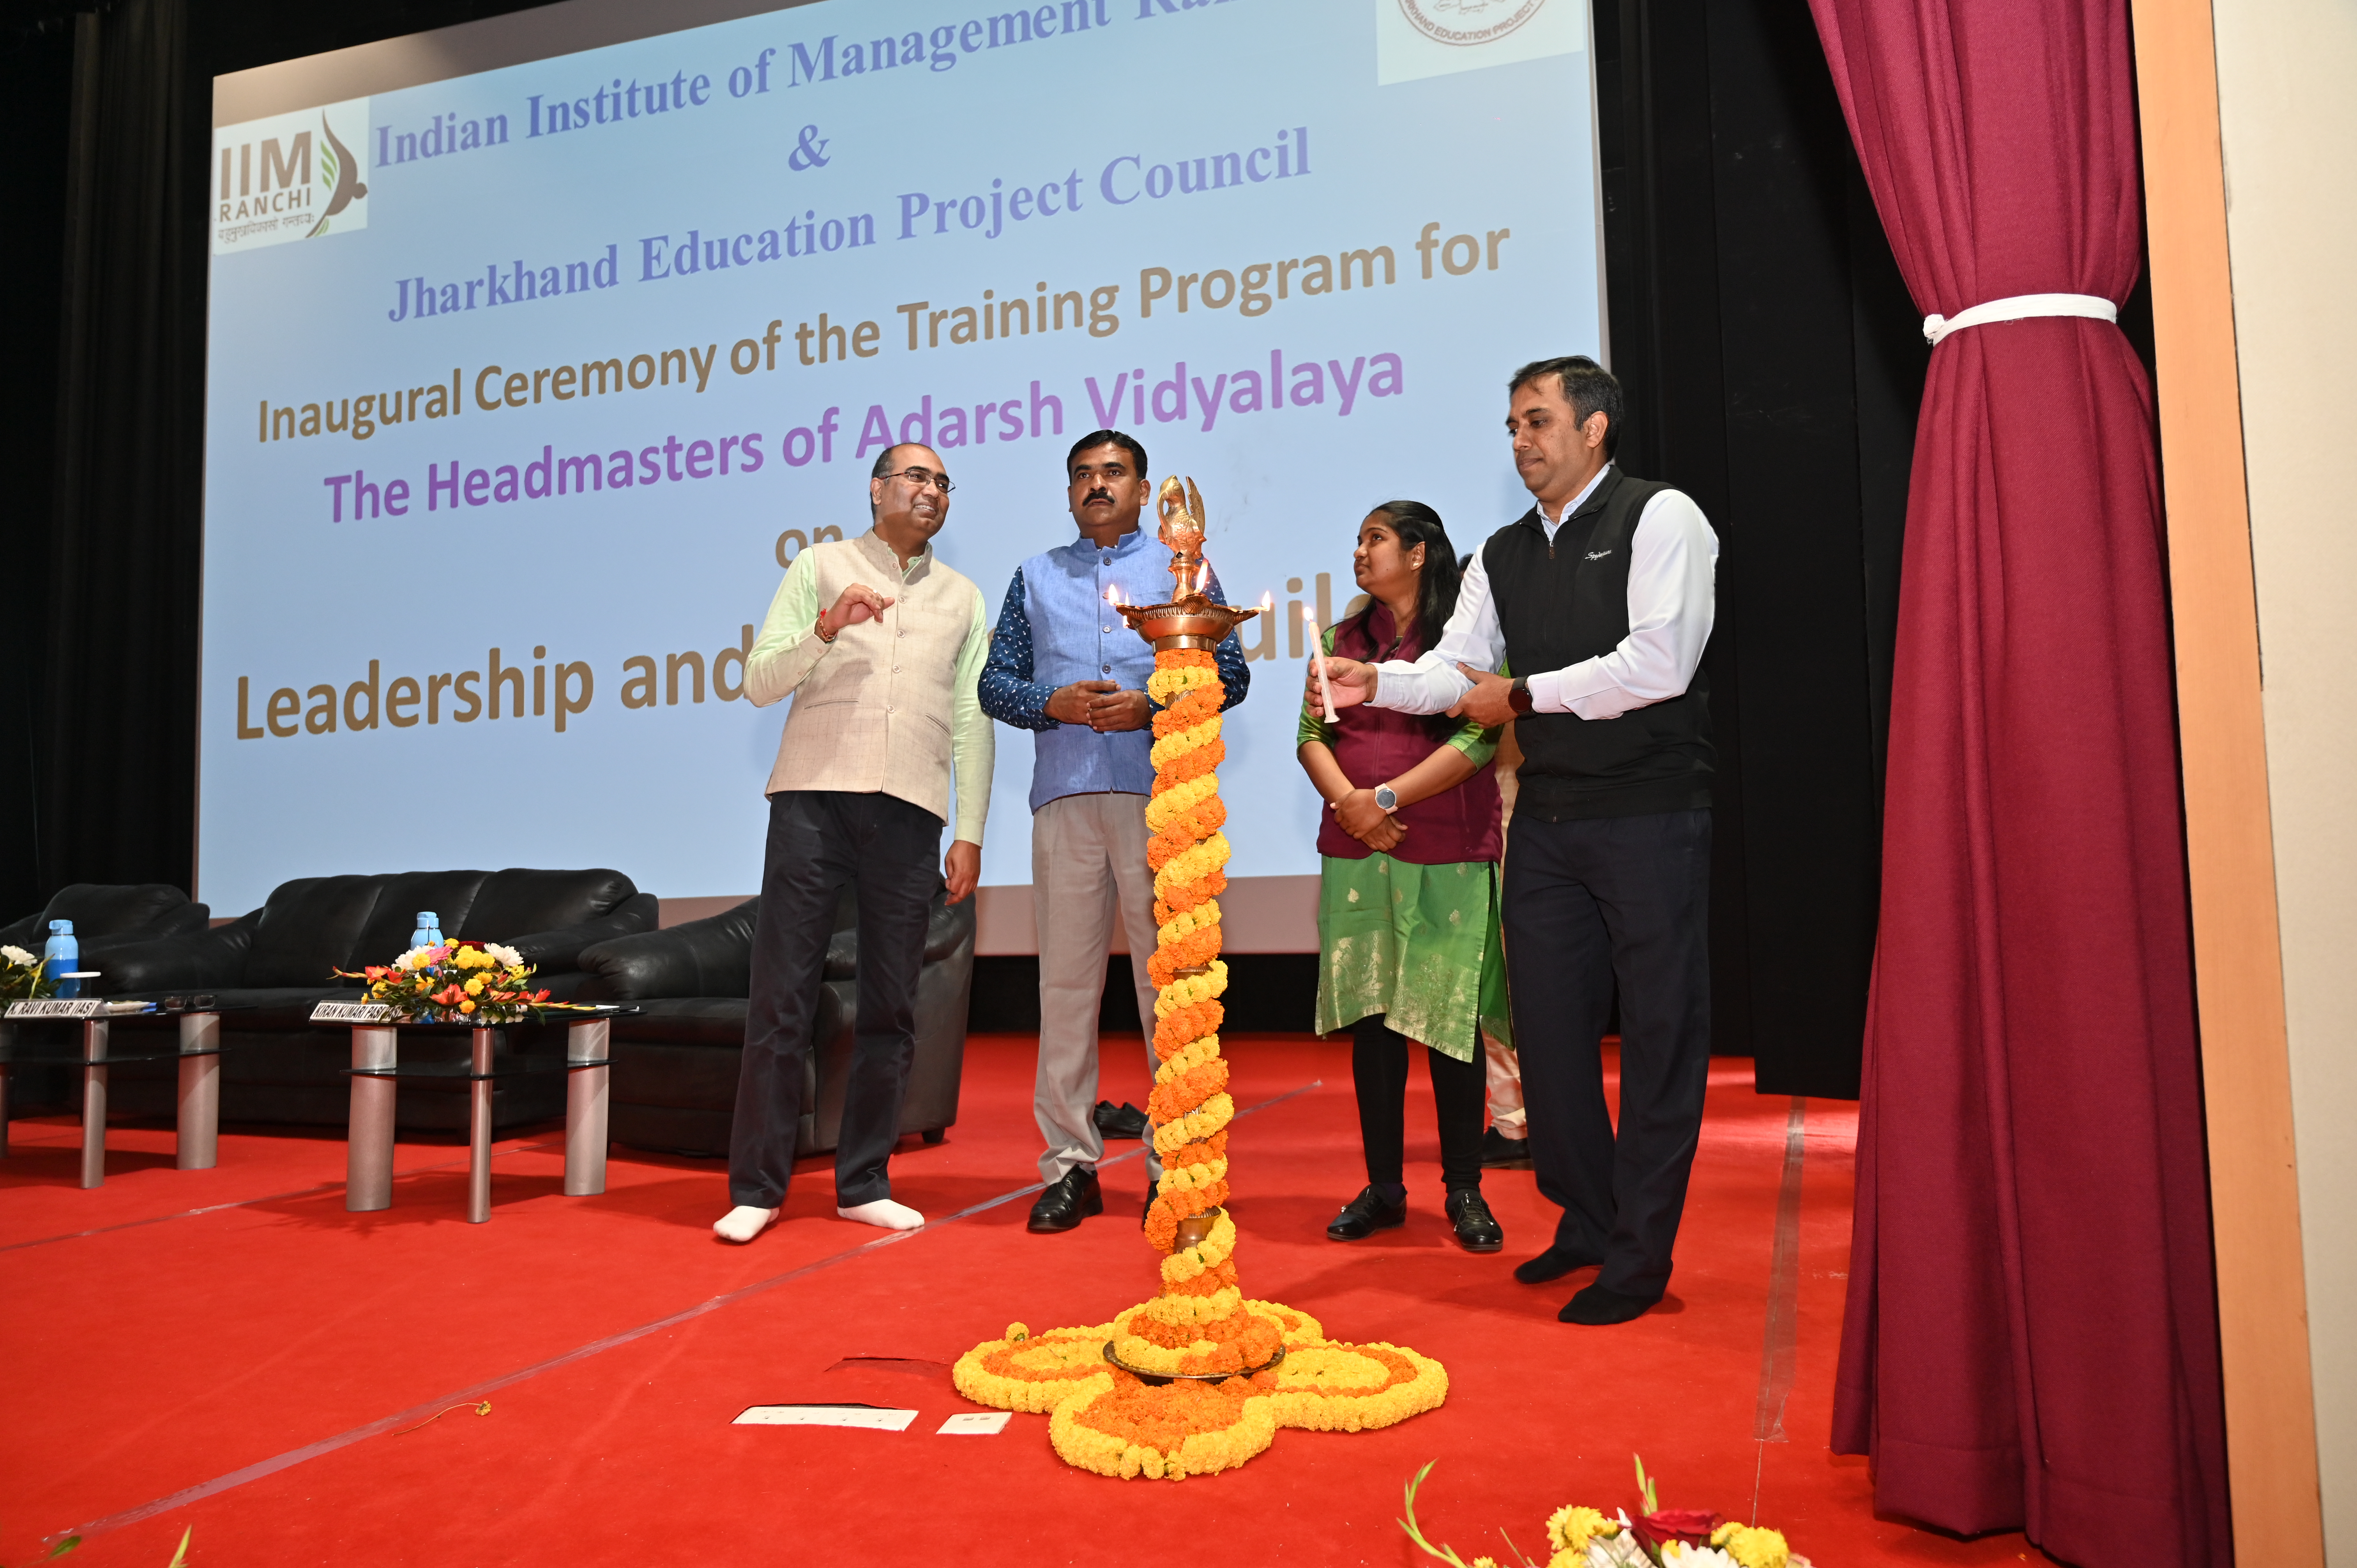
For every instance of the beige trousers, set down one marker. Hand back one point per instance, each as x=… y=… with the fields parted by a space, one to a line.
x=1088 y=868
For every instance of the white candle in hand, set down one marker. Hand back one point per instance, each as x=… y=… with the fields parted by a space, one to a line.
x=1325 y=690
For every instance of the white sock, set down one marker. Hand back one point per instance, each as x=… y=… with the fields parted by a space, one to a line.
x=891 y=1216
x=743 y=1222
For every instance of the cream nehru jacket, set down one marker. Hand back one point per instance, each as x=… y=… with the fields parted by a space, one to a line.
x=875 y=711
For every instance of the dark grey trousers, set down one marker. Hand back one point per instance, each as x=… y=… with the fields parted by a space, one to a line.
x=819 y=841
x=1586 y=903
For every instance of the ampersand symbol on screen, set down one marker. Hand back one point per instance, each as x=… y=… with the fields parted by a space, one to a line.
x=810 y=150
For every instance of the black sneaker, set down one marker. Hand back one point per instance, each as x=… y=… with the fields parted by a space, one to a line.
x=1478 y=1230
x=1067 y=1200
x=1366 y=1214
x=1500 y=1152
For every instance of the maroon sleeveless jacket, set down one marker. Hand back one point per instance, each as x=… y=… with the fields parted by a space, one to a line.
x=1374 y=745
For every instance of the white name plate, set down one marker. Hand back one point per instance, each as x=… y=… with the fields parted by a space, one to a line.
x=351 y=1012
x=51 y=1008
x=974 y=1423
x=859 y=1416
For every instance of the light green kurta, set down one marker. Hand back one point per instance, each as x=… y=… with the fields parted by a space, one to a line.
x=1419 y=944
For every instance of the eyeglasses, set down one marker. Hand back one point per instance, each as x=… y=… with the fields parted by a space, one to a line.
x=920 y=478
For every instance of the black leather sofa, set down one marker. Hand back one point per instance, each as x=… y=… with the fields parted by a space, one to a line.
x=676 y=1062
x=107 y=916
x=267 y=970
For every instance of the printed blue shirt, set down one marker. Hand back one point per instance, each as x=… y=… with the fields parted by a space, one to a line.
x=1056 y=627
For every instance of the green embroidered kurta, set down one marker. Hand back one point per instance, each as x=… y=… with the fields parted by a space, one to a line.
x=1419 y=944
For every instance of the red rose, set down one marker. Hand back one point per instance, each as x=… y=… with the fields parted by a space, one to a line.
x=1657 y=1530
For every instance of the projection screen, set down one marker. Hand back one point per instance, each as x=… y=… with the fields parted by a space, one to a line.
x=539 y=345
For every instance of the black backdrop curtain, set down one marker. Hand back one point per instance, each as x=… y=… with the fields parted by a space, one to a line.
x=1773 y=362
x=116 y=722
x=1769 y=350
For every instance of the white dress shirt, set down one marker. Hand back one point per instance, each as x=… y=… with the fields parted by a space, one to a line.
x=1673 y=566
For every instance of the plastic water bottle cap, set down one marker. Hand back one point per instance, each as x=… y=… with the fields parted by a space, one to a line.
x=428 y=917
x=63 y=927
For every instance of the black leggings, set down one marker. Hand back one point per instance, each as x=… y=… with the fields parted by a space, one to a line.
x=1379 y=1071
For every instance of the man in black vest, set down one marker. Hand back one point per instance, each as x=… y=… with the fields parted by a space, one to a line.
x=1600 y=598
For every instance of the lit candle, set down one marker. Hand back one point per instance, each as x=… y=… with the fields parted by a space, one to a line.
x=1325 y=690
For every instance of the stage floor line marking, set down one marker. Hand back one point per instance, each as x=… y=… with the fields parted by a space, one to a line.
x=292 y=1457
x=317 y=1189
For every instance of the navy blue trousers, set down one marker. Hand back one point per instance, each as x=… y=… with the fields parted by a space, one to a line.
x=819 y=841
x=1590 y=903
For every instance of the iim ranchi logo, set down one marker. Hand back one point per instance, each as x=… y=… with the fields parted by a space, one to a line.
x=340 y=173
x=1468 y=21
x=292 y=177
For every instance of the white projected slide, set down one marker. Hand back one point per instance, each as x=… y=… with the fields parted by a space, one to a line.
x=530 y=366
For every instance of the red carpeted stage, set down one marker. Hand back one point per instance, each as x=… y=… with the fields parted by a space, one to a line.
x=230 y=1350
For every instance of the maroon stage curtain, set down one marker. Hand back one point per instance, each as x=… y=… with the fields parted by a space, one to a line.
x=2031 y=1334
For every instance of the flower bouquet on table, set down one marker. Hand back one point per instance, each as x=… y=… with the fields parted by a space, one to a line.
x=23 y=976
x=479 y=983
x=1582 y=1537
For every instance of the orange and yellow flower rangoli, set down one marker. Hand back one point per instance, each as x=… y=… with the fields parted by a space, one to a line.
x=1104 y=1417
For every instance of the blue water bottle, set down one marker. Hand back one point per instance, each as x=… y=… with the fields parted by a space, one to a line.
x=429 y=929
x=61 y=954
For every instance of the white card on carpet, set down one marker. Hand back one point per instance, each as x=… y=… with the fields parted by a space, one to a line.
x=860 y=1415
x=975 y=1424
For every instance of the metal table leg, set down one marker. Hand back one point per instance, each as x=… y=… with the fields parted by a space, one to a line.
x=585 y=1109
x=199 y=1137
x=478 y=1125
x=368 y=1159
x=93 y=1103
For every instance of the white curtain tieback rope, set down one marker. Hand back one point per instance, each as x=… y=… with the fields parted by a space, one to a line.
x=2020 y=307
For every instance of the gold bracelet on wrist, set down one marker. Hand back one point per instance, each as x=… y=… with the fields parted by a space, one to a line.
x=818 y=629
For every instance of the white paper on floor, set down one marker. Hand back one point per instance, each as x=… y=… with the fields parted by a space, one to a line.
x=861 y=1415
x=975 y=1424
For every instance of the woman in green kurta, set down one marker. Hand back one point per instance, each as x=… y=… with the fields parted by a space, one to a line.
x=1407 y=918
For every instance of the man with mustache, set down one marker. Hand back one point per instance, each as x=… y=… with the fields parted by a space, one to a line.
x=880 y=645
x=1064 y=665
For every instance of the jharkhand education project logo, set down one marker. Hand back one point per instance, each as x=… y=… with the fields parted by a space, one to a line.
x=292 y=177
x=1465 y=22
x=1420 y=38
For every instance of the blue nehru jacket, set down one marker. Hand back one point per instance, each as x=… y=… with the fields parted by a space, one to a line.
x=1056 y=627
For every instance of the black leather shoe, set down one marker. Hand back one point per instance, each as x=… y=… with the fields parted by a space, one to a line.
x=1478 y=1230
x=1500 y=1152
x=1552 y=1265
x=1122 y=1121
x=1600 y=1305
x=1070 y=1199
x=1366 y=1214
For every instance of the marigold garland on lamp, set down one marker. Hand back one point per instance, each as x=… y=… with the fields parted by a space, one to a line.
x=1198 y=1379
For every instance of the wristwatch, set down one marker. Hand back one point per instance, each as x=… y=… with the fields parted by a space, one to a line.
x=1518 y=695
x=1387 y=798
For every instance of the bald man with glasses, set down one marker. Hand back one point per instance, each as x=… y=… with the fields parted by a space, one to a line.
x=881 y=647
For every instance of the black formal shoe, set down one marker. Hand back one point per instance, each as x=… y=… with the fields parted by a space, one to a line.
x=1600 y=1305
x=1552 y=1265
x=1122 y=1121
x=1500 y=1152
x=1478 y=1230
x=1366 y=1214
x=1070 y=1199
